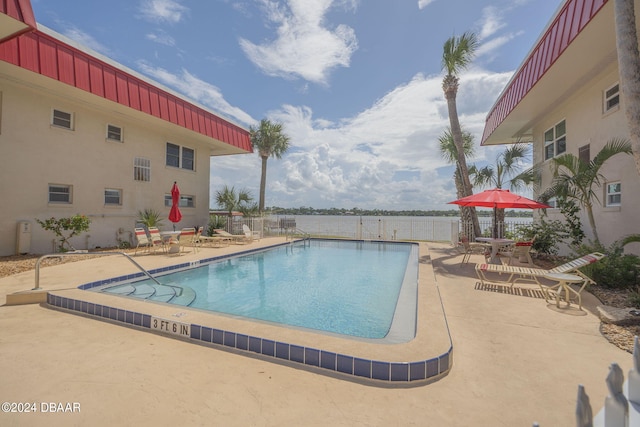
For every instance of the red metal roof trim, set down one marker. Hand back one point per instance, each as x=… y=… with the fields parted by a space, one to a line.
x=569 y=22
x=45 y=55
x=19 y=10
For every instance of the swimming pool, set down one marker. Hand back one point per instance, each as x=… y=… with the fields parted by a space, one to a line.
x=361 y=289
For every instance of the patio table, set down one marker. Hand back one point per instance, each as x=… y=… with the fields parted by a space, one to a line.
x=496 y=244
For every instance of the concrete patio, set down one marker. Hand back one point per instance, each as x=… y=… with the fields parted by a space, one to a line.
x=516 y=360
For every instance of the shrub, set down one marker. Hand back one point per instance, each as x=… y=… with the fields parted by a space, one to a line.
x=150 y=218
x=66 y=228
x=617 y=270
x=216 y=222
x=547 y=233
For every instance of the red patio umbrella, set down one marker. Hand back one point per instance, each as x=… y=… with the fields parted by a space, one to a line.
x=175 y=215
x=498 y=198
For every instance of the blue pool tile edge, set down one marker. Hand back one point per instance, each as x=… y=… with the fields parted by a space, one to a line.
x=378 y=370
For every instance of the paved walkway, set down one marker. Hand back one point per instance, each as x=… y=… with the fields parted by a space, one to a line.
x=516 y=361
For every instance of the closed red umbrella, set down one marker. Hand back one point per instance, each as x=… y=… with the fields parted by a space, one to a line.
x=175 y=215
x=498 y=198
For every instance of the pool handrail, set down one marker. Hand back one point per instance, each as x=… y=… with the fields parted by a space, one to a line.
x=291 y=232
x=84 y=252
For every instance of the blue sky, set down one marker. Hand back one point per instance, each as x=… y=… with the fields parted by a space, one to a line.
x=356 y=83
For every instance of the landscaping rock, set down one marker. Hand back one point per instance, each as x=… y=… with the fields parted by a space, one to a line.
x=619 y=316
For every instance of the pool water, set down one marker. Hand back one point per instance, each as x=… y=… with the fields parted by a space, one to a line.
x=344 y=287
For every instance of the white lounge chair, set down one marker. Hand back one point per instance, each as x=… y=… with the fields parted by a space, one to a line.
x=240 y=239
x=533 y=275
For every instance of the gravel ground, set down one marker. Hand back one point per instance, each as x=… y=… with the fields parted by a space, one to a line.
x=621 y=336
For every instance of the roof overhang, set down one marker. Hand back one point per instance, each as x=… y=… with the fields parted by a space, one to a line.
x=536 y=88
x=16 y=17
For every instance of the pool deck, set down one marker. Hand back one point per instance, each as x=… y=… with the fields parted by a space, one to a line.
x=516 y=359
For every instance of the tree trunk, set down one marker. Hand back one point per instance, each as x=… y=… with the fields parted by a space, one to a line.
x=592 y=222
x=629 y=70
x=450 y=91
x=263 y=183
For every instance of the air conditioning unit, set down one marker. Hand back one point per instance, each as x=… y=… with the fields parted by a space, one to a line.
x=23 y=237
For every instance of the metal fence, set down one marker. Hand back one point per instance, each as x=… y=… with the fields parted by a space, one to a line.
x=441 y=229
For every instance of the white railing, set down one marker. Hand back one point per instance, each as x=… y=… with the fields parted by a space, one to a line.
x=440 y=229
x=621 y=406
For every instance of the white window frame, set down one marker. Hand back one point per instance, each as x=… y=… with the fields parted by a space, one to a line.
x=186 y=201
x=556 y=140
x=53 y=190
x=181 y=158
x=107 y=197
x=613 y=192
x=115 y=133
x=60 y=122
x=141 y=169
x=611 y=101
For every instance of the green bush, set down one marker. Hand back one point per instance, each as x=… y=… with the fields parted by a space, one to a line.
x=150 y=218
x=216 y=222
x=617 y=270
x=66 y=228
x=547 y=233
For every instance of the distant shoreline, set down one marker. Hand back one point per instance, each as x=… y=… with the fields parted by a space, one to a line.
x=453 y=213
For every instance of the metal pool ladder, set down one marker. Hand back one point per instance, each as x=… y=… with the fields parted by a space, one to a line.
x=63 y=254
x=298 y=232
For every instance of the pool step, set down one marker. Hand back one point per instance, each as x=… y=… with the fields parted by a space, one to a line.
x=177 y=295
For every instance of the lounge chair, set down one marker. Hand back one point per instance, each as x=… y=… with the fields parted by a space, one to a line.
x=253 y=235
x=240 y=239
x=533 y=275
x=469 y=248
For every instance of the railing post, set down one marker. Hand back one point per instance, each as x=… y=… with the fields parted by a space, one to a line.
x=616 y=406
x=584 y=414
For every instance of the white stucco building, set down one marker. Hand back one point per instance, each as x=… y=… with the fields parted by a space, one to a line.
x=81 y=134
x=565 y=98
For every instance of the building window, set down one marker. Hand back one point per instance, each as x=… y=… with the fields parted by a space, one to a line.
x=584 y=153
x=186 y=201
x=114 y=133
x=612 y=98
x=614 y=194
x=180 y=157
x=59 y=193
x=112 y=196
x=555 y=140
x=141 y=169
x=62 y=119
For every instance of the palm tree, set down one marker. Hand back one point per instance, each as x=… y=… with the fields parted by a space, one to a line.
x=449 y=153
x=574 y=179
x=507 y=170
x=270 y=141
x=457 y=55
x=629 y=69
x=230 y=200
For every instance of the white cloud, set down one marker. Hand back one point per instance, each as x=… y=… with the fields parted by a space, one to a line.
x=424 y=3
x=198 y=90
x=162 y=38
x=304 y=46
x=162 y=11
x=355 y=162
x=492 y=21
x=79 y=36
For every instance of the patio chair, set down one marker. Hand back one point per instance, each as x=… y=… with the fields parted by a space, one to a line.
x=187 y=237
x=469 y=248
x=143 y=239
x=520 y=250
x=240 y=239
x=156 y=238
x=533 y=275
x=253 y=235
